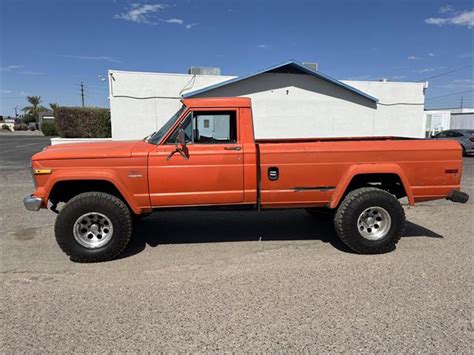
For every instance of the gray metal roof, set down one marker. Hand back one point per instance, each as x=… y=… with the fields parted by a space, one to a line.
x=290 y=66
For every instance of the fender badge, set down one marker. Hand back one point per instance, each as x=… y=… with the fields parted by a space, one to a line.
x=134 y=174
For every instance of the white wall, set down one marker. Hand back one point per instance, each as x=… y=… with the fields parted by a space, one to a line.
x=400 y=110
x=462 y=120
x=218 y=126
x=297 y=105
x=284 y=105
x=436 y=121
x=140 y=103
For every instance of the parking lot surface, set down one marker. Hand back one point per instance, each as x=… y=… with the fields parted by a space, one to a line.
x=234 y=281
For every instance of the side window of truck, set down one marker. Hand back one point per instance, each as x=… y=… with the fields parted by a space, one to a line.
x=215 y=127
x=188 y=130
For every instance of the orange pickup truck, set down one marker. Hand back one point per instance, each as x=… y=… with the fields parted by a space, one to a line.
x=206 y=156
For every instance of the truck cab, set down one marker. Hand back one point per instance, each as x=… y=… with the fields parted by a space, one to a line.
x=218 y=155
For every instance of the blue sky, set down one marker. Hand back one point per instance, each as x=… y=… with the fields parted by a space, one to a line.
x=49 y=46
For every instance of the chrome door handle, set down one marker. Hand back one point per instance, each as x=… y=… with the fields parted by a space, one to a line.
x=232 y=148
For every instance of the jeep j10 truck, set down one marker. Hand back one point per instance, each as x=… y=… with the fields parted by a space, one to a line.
x=206 y=156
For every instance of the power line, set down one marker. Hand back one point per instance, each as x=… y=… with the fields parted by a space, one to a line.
x=456 y=93
x=454 y=99
x=455 y=102
x=446 y=73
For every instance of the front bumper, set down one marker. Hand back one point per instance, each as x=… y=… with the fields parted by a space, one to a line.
x=32 y=203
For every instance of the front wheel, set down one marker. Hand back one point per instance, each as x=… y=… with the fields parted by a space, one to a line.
x=370 y=221
x=93 y=227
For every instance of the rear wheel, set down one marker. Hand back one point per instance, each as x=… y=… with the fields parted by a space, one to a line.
x=93 y=226
x=370 y=221
x=463 y=151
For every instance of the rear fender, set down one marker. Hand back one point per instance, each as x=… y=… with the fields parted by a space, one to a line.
x=359 y=169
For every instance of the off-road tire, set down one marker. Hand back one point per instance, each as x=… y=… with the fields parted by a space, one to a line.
x=112 y=207
x=345 y=220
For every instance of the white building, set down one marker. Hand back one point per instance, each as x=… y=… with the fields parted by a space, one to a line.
x=436 y=121
x=288 y=100
x=462 y=119
x=444 y=119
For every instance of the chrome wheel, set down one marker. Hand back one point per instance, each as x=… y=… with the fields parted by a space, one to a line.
x=374 y=223
x=93 y=230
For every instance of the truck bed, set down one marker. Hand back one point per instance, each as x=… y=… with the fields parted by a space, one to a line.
x=310 y=171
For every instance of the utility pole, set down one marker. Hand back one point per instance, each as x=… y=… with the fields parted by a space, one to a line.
x=462 y=98
x=82 y=93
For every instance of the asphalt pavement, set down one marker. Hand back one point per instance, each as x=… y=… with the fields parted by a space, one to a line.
x=16 y=150
x=274 y=281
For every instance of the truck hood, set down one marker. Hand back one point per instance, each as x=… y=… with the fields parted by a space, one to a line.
x=117 y=149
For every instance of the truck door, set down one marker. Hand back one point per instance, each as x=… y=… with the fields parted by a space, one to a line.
x=211 y=172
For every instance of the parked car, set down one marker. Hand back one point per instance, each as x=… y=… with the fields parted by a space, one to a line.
x=465 y=137
x=206 y=156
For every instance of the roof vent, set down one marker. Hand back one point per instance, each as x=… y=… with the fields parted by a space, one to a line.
x=204 y=70
x=312 y=66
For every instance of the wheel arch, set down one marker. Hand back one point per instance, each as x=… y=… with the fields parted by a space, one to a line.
x=365 y=174
x=62 y=190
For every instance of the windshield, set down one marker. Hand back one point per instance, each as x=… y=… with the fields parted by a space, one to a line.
x=156 y=137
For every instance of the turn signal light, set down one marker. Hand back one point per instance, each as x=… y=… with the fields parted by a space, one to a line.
x=42 y=171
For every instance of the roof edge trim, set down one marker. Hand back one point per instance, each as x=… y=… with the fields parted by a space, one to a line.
x=298 y=65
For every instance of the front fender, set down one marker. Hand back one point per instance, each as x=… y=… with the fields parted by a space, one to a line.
x=103 y=175
x=358 y=169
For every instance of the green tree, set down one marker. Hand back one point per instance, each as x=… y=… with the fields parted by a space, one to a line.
x=35 y=106
x=54 y=106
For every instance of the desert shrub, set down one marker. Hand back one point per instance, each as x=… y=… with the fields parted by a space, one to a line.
x=5 y=127
x=20 y=127
x=49 y=128
x=29 y=118
x=88 y=122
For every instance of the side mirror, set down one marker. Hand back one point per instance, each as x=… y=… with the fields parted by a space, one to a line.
x=180 y=146
x=181 y=139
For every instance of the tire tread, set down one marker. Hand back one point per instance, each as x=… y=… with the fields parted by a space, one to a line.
x=98 y=198
x=343 y=230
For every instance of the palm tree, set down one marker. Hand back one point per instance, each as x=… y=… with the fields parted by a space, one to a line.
x=35 y=102
x=54 y=106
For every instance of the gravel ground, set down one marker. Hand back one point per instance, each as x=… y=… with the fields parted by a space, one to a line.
x=226 y=281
